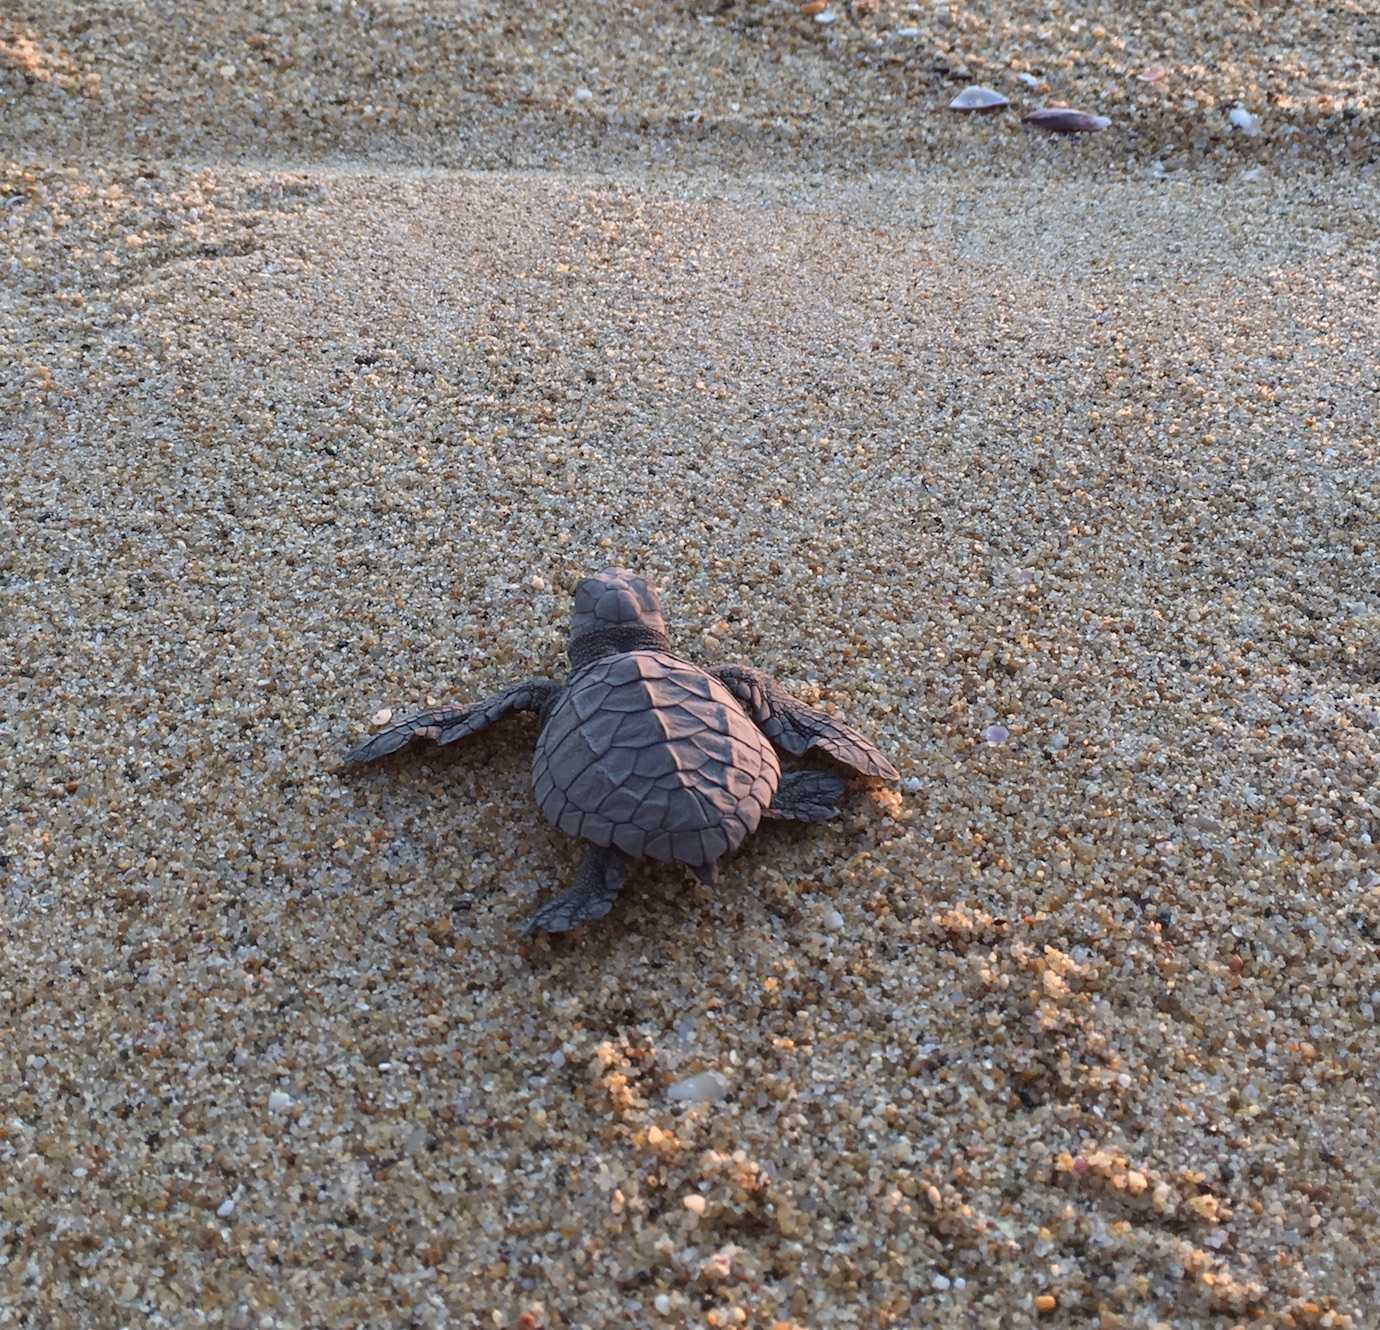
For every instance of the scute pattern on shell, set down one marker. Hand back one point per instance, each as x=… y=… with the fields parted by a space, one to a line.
x=652 y=755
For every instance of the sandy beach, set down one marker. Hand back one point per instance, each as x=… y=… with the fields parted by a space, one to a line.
x=338 y=341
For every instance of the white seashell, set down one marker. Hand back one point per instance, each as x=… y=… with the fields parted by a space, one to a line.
x=978 y=98
x=705 y=1087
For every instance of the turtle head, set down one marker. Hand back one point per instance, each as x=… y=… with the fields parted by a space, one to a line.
x=615 y=611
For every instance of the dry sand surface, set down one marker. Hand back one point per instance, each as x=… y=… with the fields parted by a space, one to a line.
x=337 y=340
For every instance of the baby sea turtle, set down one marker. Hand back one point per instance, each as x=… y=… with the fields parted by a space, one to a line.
x=646 y=755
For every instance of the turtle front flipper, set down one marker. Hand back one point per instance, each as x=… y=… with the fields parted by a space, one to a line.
x=796 y=728
x=597 y=884
x=807 y=796
x=447 y=724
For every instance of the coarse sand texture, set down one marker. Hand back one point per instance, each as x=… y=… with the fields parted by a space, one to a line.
x=339 y=341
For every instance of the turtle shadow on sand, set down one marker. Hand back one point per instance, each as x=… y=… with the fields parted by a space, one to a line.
x=643 y=754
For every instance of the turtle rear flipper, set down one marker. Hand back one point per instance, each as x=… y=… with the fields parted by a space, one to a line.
x=447 y=724
x=807 y=796
x=708 y=874
x=796 y=728
x=597 y=884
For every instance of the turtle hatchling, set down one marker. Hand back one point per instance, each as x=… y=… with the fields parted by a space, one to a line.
x=645 y=755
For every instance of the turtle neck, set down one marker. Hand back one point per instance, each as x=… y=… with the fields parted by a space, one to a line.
x=589 y=647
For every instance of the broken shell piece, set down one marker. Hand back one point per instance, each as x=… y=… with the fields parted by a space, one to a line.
x=1248 y=124
x=1065 y=120
x=978 y=98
